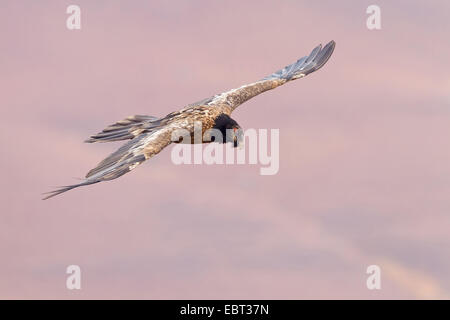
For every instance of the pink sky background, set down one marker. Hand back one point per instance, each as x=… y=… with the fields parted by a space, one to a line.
x=364 y=151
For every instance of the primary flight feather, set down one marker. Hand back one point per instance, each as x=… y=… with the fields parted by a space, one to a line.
x=149 y=135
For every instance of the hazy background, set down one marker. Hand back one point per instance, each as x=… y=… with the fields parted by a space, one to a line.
x=364 y=158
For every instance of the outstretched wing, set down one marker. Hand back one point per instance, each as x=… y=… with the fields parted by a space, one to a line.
x=299 y=69
x=126 y=158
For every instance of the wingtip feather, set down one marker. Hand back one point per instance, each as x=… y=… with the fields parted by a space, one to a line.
x=63 y=189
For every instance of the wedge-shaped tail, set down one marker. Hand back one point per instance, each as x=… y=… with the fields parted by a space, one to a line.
x=127 y=128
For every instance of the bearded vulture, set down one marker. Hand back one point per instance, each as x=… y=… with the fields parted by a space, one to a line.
x=149 y=135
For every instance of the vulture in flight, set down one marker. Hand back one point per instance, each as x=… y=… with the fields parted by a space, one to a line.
x=149 y=135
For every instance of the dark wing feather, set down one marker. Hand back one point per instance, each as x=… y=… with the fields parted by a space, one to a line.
x=301 y=68
x=125 y=159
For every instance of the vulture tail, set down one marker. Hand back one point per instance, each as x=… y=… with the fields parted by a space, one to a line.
x=125 y=129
